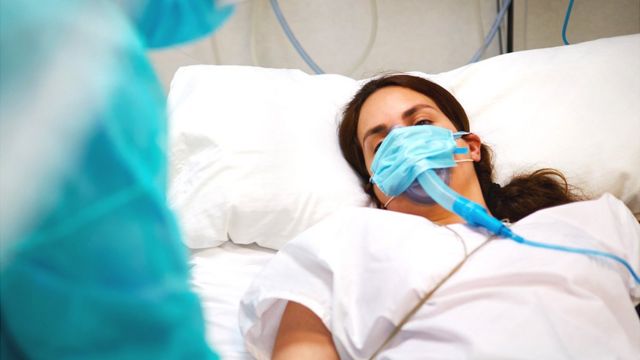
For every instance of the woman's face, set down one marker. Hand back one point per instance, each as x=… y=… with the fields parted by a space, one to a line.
x=399 y=106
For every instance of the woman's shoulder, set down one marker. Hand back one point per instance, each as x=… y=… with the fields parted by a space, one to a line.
x=604 y=208
x=605 y=219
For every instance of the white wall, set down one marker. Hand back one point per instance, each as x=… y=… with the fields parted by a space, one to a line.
x=425 y=35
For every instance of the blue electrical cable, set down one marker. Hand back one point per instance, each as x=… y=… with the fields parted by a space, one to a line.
x=476 y=215
x=492 y=33
x=566 y=23
x=582 y=251
x=296 y=44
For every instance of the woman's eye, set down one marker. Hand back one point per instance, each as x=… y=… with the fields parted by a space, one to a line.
x=423 y=122
x=375 y=149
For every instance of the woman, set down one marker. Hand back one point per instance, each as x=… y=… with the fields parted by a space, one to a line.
x=336 y=290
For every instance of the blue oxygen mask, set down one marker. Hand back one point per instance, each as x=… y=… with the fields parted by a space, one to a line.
x=416 y=161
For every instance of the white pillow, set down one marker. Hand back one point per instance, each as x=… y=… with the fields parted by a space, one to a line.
x=255 y=157
x=254 y=153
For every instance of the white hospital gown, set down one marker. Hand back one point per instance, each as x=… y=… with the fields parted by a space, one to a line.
x=361 y=270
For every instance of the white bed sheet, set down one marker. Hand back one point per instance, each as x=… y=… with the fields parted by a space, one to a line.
x=220 y=276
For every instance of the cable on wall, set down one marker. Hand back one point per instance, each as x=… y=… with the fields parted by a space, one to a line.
x=492 y=33
x=373 y=33
x=255 y=12
x=292 y=38
x=510 y=29
x=566 y=23
x=499 y=29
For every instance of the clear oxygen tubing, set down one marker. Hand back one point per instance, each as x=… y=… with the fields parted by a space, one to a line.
x=476 y=215
x=492 y=32
x=292 y=38
x=373 y=33
x=312 y=64
x=566 y=23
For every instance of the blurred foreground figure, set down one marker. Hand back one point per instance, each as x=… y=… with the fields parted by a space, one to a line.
x=92 y=262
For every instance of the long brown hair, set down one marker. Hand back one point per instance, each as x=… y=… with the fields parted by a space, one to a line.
x=523 y=195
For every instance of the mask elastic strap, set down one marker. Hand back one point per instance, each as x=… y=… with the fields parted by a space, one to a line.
x=388 y=201
x=464 y=160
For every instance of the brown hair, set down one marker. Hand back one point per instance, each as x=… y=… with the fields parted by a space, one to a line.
x=523 y=195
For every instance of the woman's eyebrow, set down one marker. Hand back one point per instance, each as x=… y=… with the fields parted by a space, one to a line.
x=374 y=130
x=414 y=109
x=384 y=128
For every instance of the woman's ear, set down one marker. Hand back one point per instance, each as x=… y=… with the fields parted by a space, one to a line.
x=474 y=143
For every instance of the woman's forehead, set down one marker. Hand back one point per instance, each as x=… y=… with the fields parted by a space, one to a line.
x=389 y=104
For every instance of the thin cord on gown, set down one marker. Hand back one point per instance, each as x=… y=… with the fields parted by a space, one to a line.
x=428 y=295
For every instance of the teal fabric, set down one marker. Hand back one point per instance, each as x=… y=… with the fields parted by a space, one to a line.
x=168 y=22
x=102 y=273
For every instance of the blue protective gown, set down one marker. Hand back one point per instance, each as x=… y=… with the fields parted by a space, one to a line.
x=99 y=270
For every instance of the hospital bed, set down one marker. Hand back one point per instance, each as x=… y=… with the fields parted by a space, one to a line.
x=255 y=159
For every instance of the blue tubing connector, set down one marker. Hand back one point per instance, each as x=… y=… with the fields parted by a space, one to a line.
x=472 y=212
x=478 y=216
